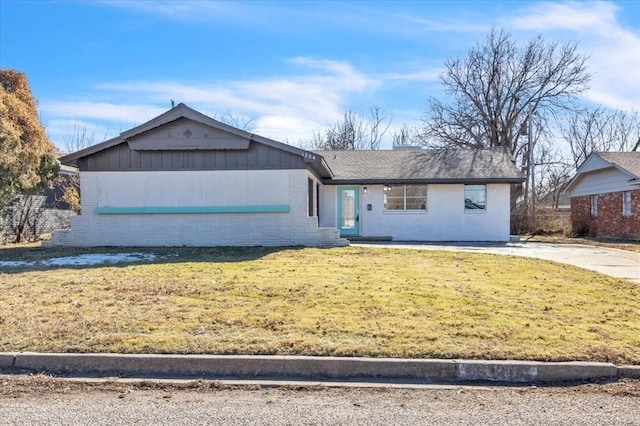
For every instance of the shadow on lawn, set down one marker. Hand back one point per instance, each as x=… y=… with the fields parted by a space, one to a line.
x=51 y=258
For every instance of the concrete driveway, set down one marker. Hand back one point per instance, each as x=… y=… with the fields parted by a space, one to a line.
x=613 y=262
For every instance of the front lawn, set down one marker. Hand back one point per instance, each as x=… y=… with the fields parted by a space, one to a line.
x=343 y=301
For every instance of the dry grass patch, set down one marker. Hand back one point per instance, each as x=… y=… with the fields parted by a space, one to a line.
x=343 y=301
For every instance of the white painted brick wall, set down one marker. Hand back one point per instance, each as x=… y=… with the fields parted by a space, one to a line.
x=203 y=188
x=444 y=220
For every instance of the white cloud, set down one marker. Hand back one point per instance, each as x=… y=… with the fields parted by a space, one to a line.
x=66 y=132
x=613 y=49
x=545 y=16
x=342 y=71
x=447 y=24
x=66 y=125
x=285 y=108
x=286 y=128
x=429 y=75
x=178 y=10
x=100 y=120
x=320 y=94
x=289 y=17
x=126 y=113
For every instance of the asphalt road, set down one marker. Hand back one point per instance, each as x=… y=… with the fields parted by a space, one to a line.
x=326 y=406
x=608 y=261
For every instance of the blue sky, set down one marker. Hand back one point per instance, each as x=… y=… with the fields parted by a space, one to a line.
x=293 y=66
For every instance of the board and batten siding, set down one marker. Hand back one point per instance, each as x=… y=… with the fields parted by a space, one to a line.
x=603 y=181
x=248 y=197
x=258 y=156
x=444 y=220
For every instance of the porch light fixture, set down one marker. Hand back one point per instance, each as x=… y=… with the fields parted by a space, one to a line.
x=365 y=190
x=386 y=188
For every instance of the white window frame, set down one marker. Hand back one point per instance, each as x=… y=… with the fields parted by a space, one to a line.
x=483 y=210
x=593 y=205
x=404 y=199
x=626 y=203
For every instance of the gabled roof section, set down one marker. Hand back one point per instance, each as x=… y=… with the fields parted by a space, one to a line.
x=182 y=111
x=423 y=166
x=626 y=162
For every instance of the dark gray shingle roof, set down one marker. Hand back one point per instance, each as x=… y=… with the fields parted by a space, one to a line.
x=630 y=161
x=421 y=165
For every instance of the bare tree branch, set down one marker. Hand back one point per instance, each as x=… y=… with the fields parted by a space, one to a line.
x=353 y=131
x=246 y=123
x=496 y=85
x=600 y=129
x=406 y=136
x=80 y=135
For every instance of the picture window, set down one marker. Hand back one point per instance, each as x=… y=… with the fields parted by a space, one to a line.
x=405 y=197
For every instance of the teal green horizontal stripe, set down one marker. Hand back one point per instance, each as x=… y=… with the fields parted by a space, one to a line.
x=278 y=208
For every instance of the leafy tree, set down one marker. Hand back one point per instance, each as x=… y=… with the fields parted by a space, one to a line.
x=26 y=154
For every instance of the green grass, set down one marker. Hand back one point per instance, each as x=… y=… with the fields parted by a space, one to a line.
x=343 y=301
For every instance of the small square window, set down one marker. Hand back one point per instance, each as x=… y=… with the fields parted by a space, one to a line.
x=475 y=197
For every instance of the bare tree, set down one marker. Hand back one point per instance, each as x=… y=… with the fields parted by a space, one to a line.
x=601 y=129
x=553 y=172
x=496 y=86
x=350 y=133
x=246 y=123
x=378 y=125
x=353 y=131
x=494 y=92
x=79 y=135
x=316 y=141
x=30 y=219
x=404 y=136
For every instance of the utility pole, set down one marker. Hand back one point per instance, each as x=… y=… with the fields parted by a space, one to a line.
x=532 y=171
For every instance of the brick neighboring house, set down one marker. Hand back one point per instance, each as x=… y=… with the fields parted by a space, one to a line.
x=605 y=196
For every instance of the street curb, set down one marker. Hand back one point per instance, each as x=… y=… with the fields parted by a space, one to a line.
x=630 y=371
x=309 y=367
x=6 y=360
x=534 y=372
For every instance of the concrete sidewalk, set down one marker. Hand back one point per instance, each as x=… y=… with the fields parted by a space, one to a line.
x=311 y=368
x=614 y=262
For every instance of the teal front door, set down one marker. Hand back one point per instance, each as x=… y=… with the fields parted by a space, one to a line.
x=348 y=211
